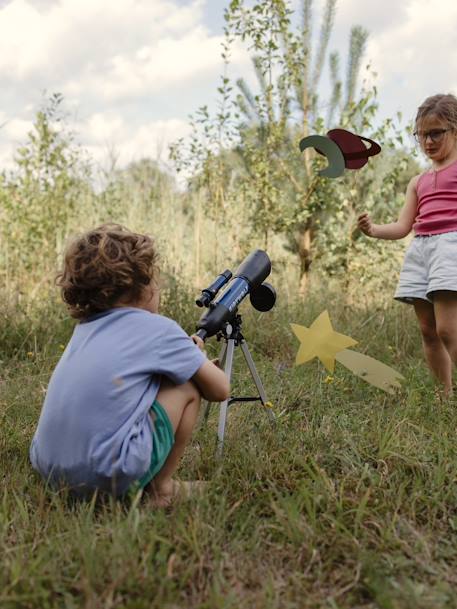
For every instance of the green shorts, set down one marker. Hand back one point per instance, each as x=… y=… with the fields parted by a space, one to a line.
x=163 y=438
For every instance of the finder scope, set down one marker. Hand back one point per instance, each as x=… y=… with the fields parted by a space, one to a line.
x=209 y=293
x=248 y=279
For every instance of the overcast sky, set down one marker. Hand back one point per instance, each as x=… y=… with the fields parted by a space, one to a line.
x=131 y=71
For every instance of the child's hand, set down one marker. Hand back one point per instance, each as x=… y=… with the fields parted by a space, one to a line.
x=198 y=341
x=365 y=224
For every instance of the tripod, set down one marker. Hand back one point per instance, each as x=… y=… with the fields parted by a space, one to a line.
x=232 y=336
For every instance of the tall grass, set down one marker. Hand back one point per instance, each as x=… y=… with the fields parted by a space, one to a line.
x=349 y=501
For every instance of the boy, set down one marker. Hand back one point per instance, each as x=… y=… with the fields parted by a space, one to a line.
x=124 y=398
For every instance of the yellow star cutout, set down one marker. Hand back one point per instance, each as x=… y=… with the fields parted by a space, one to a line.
x=320 y=340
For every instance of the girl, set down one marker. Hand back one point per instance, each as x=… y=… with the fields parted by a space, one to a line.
x=428 y=279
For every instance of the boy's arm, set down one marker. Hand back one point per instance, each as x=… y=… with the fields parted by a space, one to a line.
x=212 y=382
x=398 y=229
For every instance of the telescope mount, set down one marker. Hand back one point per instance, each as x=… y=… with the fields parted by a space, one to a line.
x=232 y=336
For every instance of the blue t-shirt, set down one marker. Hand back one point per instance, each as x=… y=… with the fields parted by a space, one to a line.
x=94 y=430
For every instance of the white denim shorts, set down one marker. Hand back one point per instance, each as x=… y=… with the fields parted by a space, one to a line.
x=430 y=264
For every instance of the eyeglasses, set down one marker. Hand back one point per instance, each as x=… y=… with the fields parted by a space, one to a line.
x=435 y=135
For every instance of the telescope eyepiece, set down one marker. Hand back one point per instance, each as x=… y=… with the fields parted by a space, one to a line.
x=205 y=298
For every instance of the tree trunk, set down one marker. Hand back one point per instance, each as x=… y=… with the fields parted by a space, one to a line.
x=304 y=242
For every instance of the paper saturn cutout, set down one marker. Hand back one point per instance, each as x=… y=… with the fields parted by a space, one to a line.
x=320 y=340
x=343 y=150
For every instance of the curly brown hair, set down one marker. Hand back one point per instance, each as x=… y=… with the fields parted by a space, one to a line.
x=106 y=266
x=443 y=106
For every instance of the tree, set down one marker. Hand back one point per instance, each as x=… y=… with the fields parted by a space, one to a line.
x=249 y=151
x=287 y=107
x=41 y=195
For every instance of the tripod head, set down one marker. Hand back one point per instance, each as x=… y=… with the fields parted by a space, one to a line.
x=248 y=279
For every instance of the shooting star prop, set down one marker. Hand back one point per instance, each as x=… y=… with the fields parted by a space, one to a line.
x=342 y=149
x=320 y=340
x=370 y=370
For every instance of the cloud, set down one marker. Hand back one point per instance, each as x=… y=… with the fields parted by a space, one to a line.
x=417 y=56
x=376 y=17
x=170 y=62
x=97 y=36
x=109 y=134
x=13 y=132
x=122 y=67
x=423 y=44
x=412 y=46
x=17 y=129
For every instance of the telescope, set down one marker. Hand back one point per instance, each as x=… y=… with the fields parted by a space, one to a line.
x=222 y=318
x=248 y=279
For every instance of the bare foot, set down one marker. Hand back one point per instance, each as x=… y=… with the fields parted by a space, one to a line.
x=167 y=493
x=444 y=394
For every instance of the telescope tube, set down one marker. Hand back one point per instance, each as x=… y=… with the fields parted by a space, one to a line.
x=251 y=273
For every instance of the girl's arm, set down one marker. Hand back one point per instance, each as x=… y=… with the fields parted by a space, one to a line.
x=398 y=229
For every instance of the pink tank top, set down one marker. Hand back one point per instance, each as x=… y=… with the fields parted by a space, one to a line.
x=437 y=201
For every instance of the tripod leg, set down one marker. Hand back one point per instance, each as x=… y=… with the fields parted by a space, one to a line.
x=256 y=378
x=208 y=405
x=223 y=355
x=228 y=361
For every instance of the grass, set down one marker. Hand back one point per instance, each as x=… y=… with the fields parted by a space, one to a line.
x=348 y=502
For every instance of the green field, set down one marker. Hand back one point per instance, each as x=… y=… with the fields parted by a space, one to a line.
x=349 y=501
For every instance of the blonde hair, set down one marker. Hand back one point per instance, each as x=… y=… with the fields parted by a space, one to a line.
x=444 y=106
x=104 y=266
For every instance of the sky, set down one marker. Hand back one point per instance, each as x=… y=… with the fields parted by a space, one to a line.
x=132 y=71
